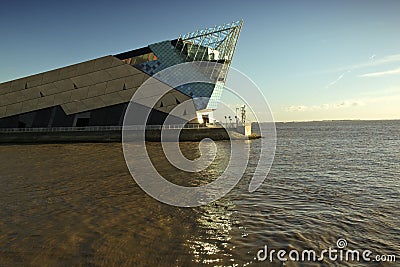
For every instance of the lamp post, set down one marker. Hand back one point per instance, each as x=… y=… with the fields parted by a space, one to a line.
x=243 y=110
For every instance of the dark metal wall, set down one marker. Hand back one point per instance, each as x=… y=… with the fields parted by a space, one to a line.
x=56 y=117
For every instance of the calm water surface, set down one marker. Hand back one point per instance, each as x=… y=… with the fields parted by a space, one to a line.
x=76 y=204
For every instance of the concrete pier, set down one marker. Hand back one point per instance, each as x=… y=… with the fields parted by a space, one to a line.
x=114 y=135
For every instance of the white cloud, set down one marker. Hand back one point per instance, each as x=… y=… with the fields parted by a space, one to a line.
x=377 y=61
x=389 y=96
x=373 y=61
x=327 y=106
x=381 y=73
x=337 y=79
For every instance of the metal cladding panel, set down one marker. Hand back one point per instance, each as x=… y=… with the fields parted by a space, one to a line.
x=68 y=72
x=73 y=107
x=179 y=96
x=93 y=103
x=64 y=85
x=112 y=99
x=3 y=101
x=51 y=76
x=187 y=106
x=116 y=62
x=168 y=100
x=2 y=111
x=5 y=88
x=126 y=95
x=82 y=81
x=49 y=89
x=24 y=96
x=104 y=63
x=45 y=102
x=163 y=109
x=18 y=85
x=122 y=71
x=63 y=97
x=55 y=89
x=13 y=109
x=34 y=80
x=85 y=67
x=30 y=105
x=79 y=94
x=134 y=81
x=149 y=93
x=97 y=89
x=115 y=85
x=31 y=94
x=150 y=90
x=11 y=98
x=100 y=76
x=65 y=108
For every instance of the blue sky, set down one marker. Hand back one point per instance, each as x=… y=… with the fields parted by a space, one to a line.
x=313 y=60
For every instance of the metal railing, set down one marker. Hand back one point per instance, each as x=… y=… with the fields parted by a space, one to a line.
x=103 y=128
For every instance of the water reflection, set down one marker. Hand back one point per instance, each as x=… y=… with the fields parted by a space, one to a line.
x=215 y=221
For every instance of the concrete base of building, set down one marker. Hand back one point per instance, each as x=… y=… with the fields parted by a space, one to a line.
x=152 y=135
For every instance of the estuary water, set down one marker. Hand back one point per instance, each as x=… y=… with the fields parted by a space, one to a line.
x=77 y=205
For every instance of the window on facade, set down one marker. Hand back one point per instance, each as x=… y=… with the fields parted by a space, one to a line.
x=82 y=122
x=127 y=60
x=140 y=59
x=21 y=124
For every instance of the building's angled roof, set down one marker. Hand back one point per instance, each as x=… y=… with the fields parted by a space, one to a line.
x=98 y=84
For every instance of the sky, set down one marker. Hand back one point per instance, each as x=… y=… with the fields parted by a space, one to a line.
x=313 y=60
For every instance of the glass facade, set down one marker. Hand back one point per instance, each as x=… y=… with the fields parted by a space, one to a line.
x=215 y=44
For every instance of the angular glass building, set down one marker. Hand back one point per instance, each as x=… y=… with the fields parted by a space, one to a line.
x=97 y=92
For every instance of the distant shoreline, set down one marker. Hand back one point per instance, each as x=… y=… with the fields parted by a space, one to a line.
x=355 y=120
